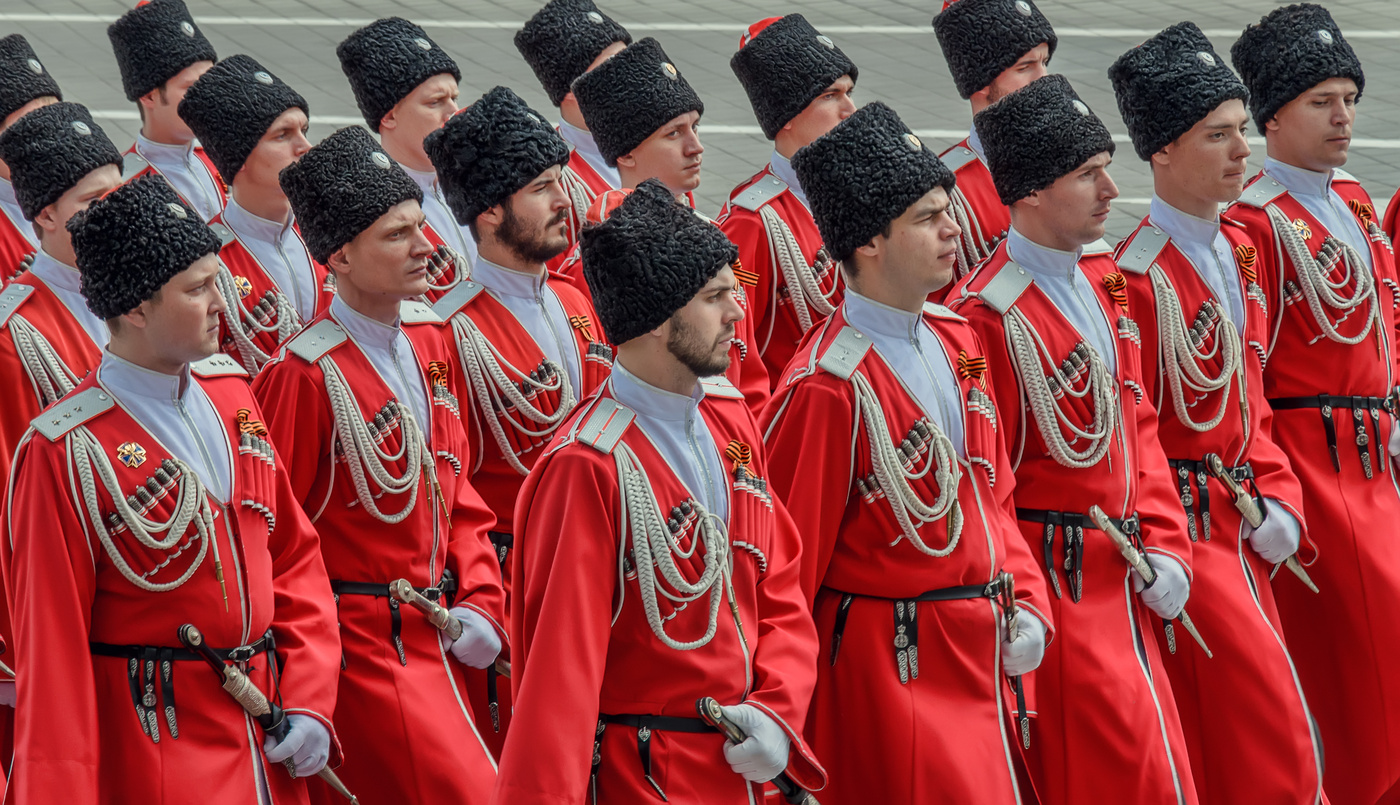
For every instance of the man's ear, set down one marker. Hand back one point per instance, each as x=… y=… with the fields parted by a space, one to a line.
x=1163 y=157
x=390 y=120
x=47 y=219
x=136 y=317
x=492 y=215
x=1271 y=124
x=627 y=161
x=150 y=99
x=1031 y=200
x=873 y=248
x=338 y=263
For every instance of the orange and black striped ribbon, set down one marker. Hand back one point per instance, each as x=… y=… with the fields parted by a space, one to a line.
x=1246 y=256
x=970 y=368
x=437 y=372
x=1365 y=212
x=743 y=275
x=582 y=323
x=739 y=453
x=250 y=426
x=1117 y=286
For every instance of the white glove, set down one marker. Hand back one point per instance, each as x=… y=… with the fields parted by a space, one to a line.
x=1167 y=596
x=765 y=754
x=1277 y=537
x=479 y=644
x=1024 y=654
x=308 y=744
x=7 y=693
x=1394 y=445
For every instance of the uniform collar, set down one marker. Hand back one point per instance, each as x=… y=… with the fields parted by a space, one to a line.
x=134 y=383
x=875 y=318
x=1181 y=226
x=162 y=152
x=782 y=168
x=56 y=274
x=508 y=281
x=581 y=140
x=1298 y=181
x=1041 y=260
x=426 y=180
x=650 y=401
x=7 y=192
x=246 y=224
x=975 y=143
x=365 y=331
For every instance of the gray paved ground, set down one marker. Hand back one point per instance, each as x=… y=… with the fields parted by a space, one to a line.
x=890 y=40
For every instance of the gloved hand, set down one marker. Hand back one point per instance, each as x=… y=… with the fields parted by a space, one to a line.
x=1167 y=597
x=1394 y=444
x=1024 y=654
x=479 y=644
x=765 y=754
x=1277 y=537
x=308 y=744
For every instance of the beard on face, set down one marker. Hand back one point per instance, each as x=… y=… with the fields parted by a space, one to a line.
x=694 y=351
x=538 y=245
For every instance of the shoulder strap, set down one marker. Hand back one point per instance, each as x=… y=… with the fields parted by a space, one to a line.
x=845 y=353
x=1142 y=249
x=454 y=300
x=940 y=312
x=1002 y=291
x=411 y=311
x=1339 y=175
x=958 y=157
x=719 y=386
x=1264 y=190
x=132 y=165
x=759 y=193
x=314 y=342
x=223 y=233
x=11 y=298
x=1099 y=246
x=218 y=365
x=72 y=411
x=605 y=425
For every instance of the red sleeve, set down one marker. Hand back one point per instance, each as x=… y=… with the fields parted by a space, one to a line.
x=1158 y=506
x=747 y=372
x=564 y=580
x=298 y=415
x=1392 y=213
x=1273 y=472
x=471 y=558
x=51 y=581
x=21 y=401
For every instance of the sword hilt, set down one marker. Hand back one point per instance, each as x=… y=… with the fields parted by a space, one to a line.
x=713 y=714
x=437 y=614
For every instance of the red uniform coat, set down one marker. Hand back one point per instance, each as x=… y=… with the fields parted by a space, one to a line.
x=863 y=721
x=1108 y=729
x=14 y=247
x=1250 y=688
x=582 y=646
x=584 y=185
x=495 y=478
x=1346 y=654
x=146 y=168
x=254 y=286
x=443 y=277
x=746 y=368
x=80 y=741
x=772 y=299
x=977 y=208
x=408 y=732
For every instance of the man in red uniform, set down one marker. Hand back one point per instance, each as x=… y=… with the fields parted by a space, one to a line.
x=1066 y=374
x=406 y=88
x=614 y=642
x=993 y=48
x=252 y=126
x=161 y=53
x=371 y=436
x=564 y=40
x=60 y=162
x=147 y=499
x=1327 y=274
x=645 y=118
x=883 y=430
x=799 y=84
x=528 y=347
x=25 y=85
x=1192 y=287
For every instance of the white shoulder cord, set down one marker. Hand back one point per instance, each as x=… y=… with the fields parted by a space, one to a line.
x=496 y=391
x=243 y=325
x=41 y=363
x=888 y=464
x=1318 y=289
x=1027 y=350
x=191 y=505
x=362 y=449
x=1182 y=355
x=580 y=195
x=804 y=289
x=655 y=549
x=972 y=249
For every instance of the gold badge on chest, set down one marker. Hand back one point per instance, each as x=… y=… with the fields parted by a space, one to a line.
x=243 y=284
x=1303 y=229
x=131 y=454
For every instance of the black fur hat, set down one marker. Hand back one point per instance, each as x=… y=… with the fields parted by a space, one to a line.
x=649 y=259
x=563 y=39
x=1036 y=135
x=22 y=76
x=155 y=41
x=342 y=186
x=865 y=173
x=232 y=106
x=50 y=150
x=491 y=149
x=983 y=38
x=784 y=67
x=627 y=98
x=1170 y=83
x=129 y=243
x=388 y=59
x=1291 y=50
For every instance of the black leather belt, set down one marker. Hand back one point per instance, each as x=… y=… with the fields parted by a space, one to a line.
x=1072 y=524
x=1327 y=405
x=446 y=588
x=645 y=726
x=1198 y=505
x=502 y=541
x=144 y=663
